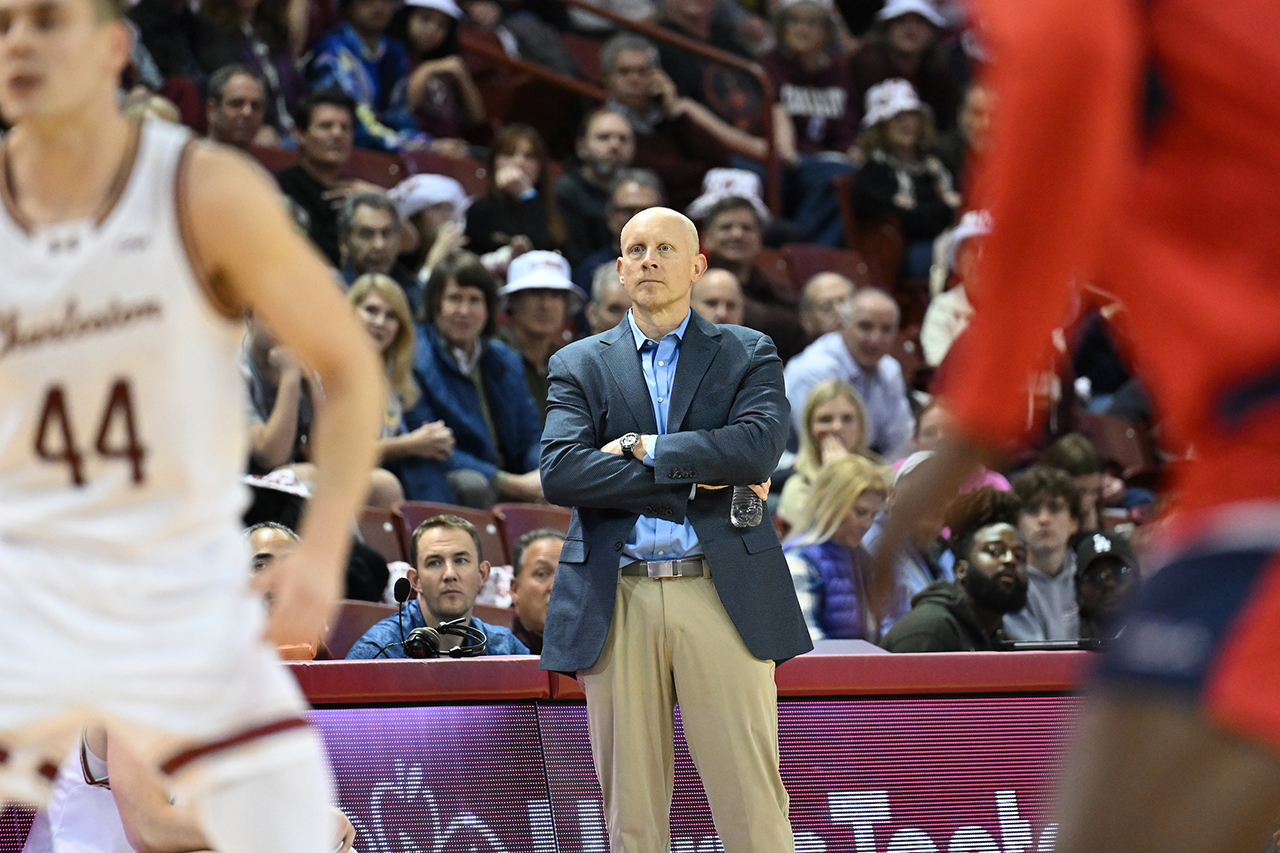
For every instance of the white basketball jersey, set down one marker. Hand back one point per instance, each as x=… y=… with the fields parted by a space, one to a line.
x=122 y=432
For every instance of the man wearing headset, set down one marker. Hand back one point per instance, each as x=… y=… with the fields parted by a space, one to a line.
x=449 y=572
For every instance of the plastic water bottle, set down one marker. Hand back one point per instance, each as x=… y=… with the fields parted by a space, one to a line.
x=746 y=509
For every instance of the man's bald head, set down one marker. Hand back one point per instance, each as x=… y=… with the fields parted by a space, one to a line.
x=664 y=215
x=659 y=264
x=717 y=296
x=825 y=303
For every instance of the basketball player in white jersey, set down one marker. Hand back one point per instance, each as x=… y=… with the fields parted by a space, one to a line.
x=125 y=251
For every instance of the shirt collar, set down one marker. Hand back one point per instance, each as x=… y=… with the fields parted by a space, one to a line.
x=466 y=363
x=841 y=351
x=640 y=338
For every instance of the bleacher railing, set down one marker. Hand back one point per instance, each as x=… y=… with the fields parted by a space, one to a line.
x=773 y=188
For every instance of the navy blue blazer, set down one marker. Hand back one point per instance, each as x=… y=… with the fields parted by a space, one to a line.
x=727 y=426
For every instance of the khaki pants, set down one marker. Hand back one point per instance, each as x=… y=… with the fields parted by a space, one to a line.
x=671 y=642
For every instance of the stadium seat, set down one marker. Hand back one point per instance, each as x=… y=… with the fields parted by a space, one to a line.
x=805 y=260
x=881 y=242
x=1122 y=445
x=412 y=513
x=354 y=618
x=585 y=50
x=773 y=264
x=503 y=616
x=377 y=167
x=495 y=82
x=515 y=520
x=466 y=171
x=907 y=350
x=379 y=531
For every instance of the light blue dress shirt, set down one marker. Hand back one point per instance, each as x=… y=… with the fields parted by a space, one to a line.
x=655 y=538
x=883 y=390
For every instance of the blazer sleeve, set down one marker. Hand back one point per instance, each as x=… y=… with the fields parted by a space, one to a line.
x=575 y=472
x=747 y=448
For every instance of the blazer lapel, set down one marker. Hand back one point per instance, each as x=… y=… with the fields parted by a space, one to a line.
x=624 y=365
x=698 y=349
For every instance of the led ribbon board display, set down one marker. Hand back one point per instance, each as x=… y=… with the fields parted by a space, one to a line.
x=958 y=775
x=967 y=775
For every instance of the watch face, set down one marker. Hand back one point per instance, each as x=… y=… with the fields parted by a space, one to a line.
x=629 y=441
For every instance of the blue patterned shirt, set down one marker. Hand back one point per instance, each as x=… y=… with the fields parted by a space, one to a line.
x=376 y=79
x=500 y=640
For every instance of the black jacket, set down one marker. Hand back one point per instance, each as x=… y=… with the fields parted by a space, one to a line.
x=941 y=620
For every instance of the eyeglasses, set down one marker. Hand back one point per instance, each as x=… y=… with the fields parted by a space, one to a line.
x=1109 y=575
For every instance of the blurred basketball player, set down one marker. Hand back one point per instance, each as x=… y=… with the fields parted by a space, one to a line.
x=1135 y=144
x=127 y=252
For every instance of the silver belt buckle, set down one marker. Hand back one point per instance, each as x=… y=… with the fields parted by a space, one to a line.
x=663 y=568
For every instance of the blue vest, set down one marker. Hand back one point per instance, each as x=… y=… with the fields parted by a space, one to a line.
x=840 y=612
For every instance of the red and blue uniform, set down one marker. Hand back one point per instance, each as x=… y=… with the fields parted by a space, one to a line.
x=1135 y=145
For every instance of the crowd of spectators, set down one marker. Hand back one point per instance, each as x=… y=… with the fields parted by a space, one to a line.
x=876 y=122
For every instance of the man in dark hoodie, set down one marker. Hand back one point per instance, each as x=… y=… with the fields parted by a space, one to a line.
x=991 y=580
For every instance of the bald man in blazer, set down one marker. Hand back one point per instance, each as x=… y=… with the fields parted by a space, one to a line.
x=658 y=599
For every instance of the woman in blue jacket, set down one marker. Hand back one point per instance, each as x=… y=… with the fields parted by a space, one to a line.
x=475 y=384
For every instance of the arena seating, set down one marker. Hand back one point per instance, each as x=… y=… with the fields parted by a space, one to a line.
x=378 y=528
x=515 y=520
x=412 y=513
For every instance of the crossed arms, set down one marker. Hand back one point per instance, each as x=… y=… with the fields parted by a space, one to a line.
x=744 y=450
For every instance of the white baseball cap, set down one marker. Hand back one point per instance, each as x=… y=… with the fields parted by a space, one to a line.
x=975 y=223
x=418 y=192
x=723 y=183
x=898 y=8
x=449 y=7
x=888 y=98
x=540 y=270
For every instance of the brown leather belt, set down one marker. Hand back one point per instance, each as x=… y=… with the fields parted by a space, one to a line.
x=689 y=567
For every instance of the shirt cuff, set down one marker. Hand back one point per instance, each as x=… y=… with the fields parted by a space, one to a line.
x=650 y=450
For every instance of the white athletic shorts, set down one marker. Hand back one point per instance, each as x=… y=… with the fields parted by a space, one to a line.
x=169 y=653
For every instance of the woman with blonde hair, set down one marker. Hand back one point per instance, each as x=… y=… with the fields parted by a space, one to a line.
x=381 y=307
x=834 y=426
x=828 y=563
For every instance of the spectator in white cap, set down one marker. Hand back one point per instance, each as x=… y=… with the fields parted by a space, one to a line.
x=540 y=298
x=949 y=312
x=720 y=184
x=906 y=42
x=732 y=235
x=440 y=93
x=434 y=206
x=901 y=179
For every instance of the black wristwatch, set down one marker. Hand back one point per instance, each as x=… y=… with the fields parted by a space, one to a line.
x=628 y=443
